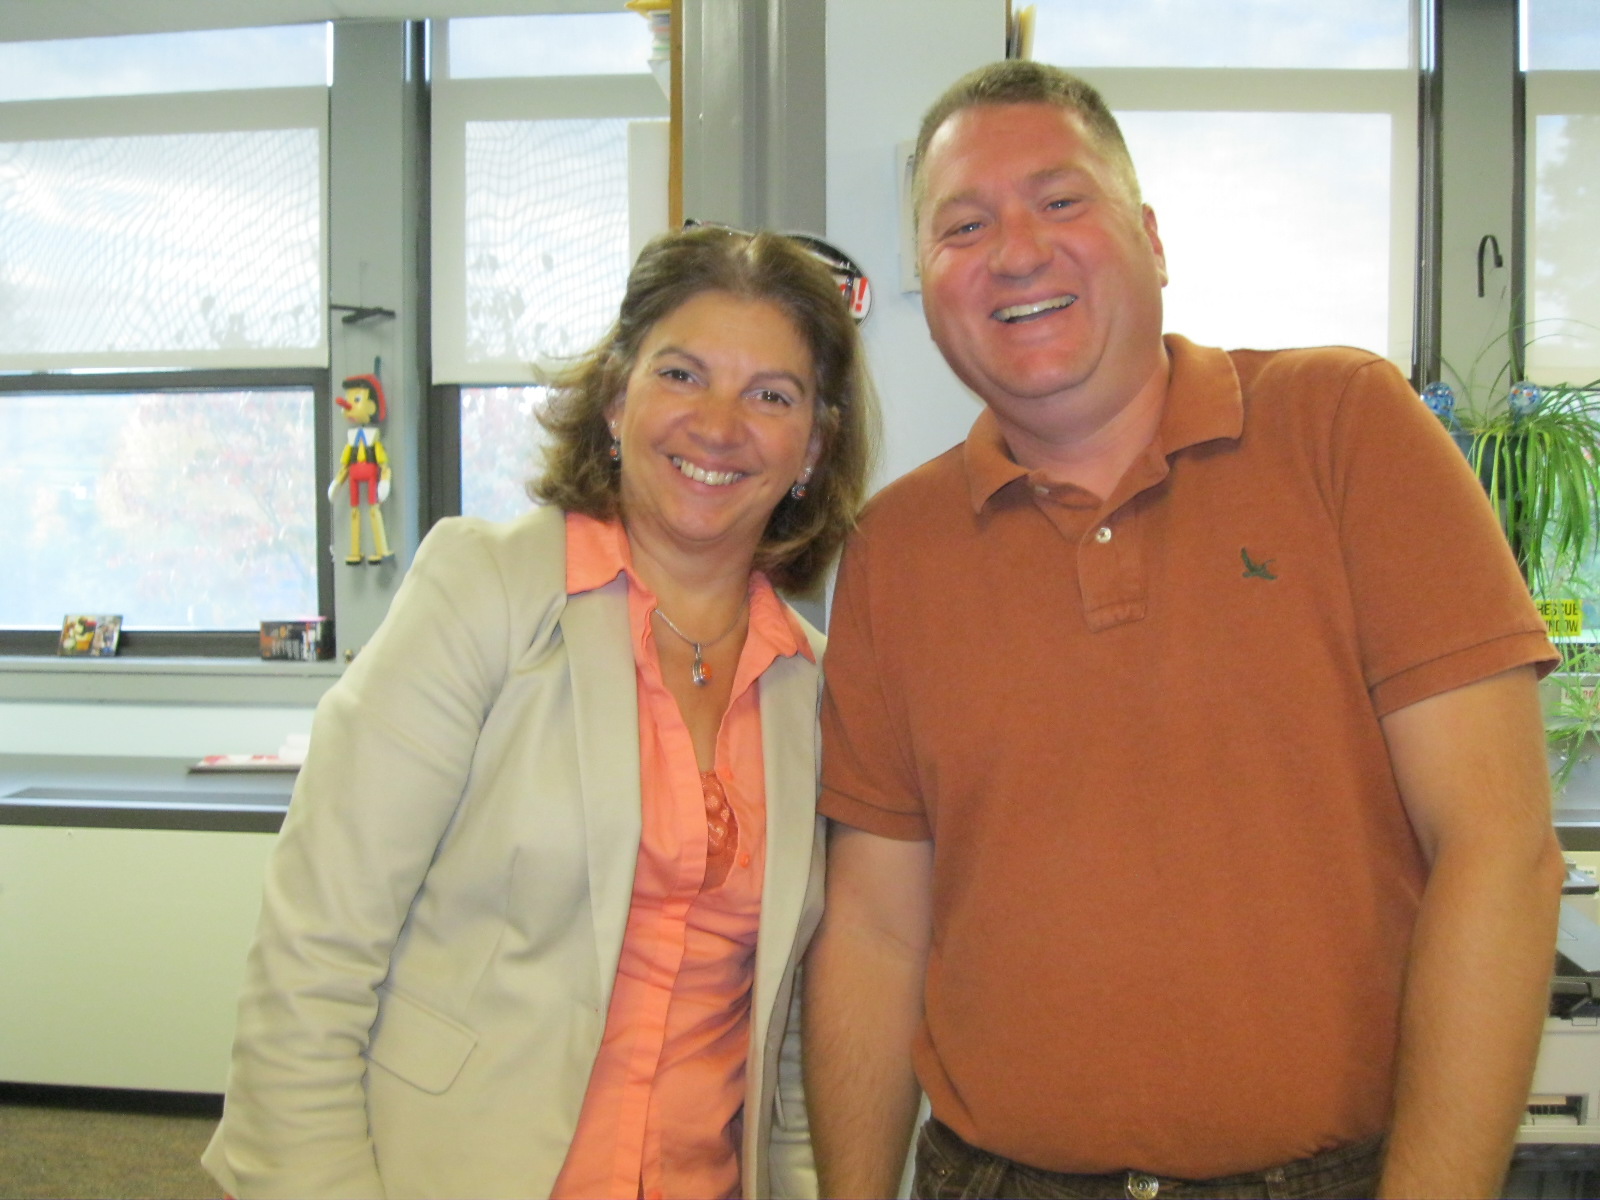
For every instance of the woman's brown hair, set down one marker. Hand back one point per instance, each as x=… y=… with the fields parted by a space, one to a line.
x=802 y=536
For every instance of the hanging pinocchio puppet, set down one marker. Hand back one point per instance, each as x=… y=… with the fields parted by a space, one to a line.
x=364 y=462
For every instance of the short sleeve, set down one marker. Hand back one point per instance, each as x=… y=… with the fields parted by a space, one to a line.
x=1440 y=600
x=868 y=776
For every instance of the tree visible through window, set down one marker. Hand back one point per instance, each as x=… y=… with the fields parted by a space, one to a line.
x=179 y=510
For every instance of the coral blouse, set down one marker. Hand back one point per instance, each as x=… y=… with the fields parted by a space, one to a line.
x=661 y=1114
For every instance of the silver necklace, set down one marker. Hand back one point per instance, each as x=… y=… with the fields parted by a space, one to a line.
x=699 y=673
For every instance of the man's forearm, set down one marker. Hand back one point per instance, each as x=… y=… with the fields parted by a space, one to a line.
x=862 y=1007
x=1477 y=989
x=864 y=977
x=1470 y=765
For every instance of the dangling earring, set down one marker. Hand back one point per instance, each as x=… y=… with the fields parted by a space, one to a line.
x=798 y=491
x=616 y=444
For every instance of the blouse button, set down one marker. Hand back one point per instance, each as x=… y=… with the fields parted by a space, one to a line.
x=1103 y=534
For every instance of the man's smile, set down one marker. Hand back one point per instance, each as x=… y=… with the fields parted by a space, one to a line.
x=1026 y=312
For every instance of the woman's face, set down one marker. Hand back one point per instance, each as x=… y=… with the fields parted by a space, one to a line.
x=717 y=423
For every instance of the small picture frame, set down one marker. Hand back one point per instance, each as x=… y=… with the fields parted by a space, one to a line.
x=93 y=636
x=299 y=639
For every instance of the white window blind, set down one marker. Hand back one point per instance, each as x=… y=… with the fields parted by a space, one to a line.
x=163 y=230
x=1277 y=145
x=531 y=188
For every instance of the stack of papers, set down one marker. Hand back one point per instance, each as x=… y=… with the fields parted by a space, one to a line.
x=288 y=758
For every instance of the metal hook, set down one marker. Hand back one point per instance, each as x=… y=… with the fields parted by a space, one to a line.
x=1487 y=241
x=360 y=312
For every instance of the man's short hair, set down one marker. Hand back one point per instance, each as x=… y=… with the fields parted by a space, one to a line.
x=1019 y=81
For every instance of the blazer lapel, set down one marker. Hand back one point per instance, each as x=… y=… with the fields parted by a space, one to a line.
x=788 y=738
x=605 y=703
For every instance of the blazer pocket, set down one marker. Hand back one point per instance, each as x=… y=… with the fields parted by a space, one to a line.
x=419 y=1044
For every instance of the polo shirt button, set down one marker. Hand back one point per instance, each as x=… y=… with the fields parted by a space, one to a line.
x=1041 y=489
x=1103 y=535
x=1142 y=1186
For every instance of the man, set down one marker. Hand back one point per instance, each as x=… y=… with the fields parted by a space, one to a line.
x=1190 y=819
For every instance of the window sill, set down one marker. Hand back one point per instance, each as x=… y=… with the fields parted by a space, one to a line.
x=166 y=680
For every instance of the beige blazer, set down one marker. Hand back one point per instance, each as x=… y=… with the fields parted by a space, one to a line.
x=445 y=907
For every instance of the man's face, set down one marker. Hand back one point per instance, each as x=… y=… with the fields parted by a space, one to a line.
x=1041 y=278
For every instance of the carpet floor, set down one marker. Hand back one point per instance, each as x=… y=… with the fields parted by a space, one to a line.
x=96 y=1143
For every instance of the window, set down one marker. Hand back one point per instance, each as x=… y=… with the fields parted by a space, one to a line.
x=157 y=230
x=182 y=509
x=152 y=63
x=499 y=448
x=163 y=335
x=565 y=44
x=1561 y=61
x=548 y=172
x=1278 y=146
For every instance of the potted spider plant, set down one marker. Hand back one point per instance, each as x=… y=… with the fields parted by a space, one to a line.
x=1572 y=713
x=1537 y=452
x=1540 y=464
x=1539 y=460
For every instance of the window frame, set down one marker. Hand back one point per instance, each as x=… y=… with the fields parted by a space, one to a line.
x=172 y=370
x=1396 y=91
x=439 y=430
x=228 y=643
x=1542 y=92
x=453 y=105
x=258 y=110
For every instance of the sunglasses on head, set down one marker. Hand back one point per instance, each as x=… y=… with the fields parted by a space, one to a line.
x=852 y=280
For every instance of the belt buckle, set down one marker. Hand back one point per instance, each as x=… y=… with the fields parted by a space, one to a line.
x=1143 y=1187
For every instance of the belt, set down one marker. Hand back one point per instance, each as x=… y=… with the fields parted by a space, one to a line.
x=1351 y=1161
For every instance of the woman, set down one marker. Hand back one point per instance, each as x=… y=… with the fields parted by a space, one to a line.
x=509 y=941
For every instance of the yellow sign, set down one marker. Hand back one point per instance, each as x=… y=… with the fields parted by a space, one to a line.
x=1564 y=618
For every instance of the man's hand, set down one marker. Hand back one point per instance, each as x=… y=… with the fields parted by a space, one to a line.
x=1471 y=768
x=863 y=1003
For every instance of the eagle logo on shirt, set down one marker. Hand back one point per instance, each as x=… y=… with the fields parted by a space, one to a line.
x=1256 y=570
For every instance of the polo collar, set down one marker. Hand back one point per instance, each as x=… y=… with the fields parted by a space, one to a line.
x=989 y=464
x=1204 y=400
x=1204 y=403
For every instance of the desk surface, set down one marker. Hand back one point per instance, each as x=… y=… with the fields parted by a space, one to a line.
x=162 y=793
x=1578 y=826
x=138 y=793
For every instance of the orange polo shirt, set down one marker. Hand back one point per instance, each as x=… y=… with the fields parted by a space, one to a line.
x=1175 y=883
x=660 y=1117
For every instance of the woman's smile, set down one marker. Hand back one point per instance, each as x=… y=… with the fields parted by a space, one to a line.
x=716 y=424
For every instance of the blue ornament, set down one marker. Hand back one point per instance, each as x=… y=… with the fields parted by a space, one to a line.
x=1524 y=398
x=1440 y=398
